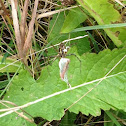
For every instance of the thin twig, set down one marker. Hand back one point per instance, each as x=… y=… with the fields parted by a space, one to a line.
x=20 y=114
x=6 y=51
x=47 y=14
x=120 y=3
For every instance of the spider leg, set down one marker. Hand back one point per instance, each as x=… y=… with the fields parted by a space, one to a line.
x=55 y=58
x=72 y=54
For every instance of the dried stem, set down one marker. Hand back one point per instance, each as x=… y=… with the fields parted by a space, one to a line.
x=2 y=7
x=28 y=42
x=20 y=114
x=23 y=21
x=16 y=28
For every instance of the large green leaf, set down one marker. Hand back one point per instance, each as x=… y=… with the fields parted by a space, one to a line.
x=108 y=94
x=104 y=13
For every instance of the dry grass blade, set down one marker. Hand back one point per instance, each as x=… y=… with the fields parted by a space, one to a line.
x=23 y=21
x=20 y=114
x=47 y=14
x=120 y=3
x=79 y=37
x=16 y=27
x=3 y=10
x=28 y=43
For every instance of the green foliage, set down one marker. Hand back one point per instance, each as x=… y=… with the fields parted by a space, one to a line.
x=68 y=119
x=99 y=27
x=3 y=84
x=109 y=116
x=55 y=36
x=95 y=43
x=108 y=94
x=104 y=13
x=73 y=19
x=6 y=67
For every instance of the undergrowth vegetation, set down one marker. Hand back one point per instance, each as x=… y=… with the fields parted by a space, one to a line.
x=62 y=63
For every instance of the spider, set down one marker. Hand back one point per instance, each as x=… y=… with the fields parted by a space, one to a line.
x=64 y=62
x=62 y=52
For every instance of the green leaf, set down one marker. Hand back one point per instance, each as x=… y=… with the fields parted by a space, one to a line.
x=94 y=42
x=3 y=84
x=9 y=65
x=99 y=27
x=68 y=119
x=104 y=13
x=109 y=116
x=55 y=36
x=73 y=19
x=15 y=120
x=108 y=94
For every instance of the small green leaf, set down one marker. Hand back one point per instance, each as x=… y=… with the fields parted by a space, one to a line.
x=73 y=19
x=111 y=117
x=9 y=65
x=94 y=42
x=3 y=84
x=68 y=119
